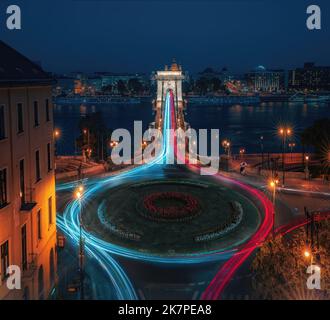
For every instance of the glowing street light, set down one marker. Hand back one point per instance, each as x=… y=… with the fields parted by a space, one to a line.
x=78 y=195
x=272 y=185
x=226 y=146
x=291 y=146
x=307 y=168
x=113 y=144
x=284 y=133
x=241 y=152
x=56 y=134
x=307 y=254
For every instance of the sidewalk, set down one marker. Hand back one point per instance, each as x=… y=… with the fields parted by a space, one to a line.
x=293 y=180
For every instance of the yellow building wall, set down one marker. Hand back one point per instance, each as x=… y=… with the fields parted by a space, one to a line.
x=12 y=149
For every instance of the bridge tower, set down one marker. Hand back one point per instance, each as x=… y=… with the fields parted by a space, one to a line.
x=169 y=79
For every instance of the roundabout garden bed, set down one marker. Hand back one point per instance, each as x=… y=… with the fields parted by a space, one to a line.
x=169 y=206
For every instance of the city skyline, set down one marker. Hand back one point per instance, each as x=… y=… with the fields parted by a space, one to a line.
x=268 y=33
x=164 y=150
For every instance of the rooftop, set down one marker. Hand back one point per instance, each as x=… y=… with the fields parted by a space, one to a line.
x=16 y=69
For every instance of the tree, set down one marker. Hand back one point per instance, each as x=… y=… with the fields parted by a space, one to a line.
x=135 y=86
x=279 y=268
x=216 y=84
x=107 y=89
x=121 y=87
x=318 y=137
x=94 y=135
x=202 y=85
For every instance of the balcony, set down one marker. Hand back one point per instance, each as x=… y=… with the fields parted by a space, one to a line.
x=29 y=272
x=29 y=200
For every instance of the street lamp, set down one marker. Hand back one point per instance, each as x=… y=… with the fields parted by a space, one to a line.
x=226 y=146
x=306 y=168
x=241 y=152
x=86 y=133
x=307 y=253
x=56 y=134
x=262 y=151
x=284 y=133
x=78 y=195
x=273 y=184
x=291 y=146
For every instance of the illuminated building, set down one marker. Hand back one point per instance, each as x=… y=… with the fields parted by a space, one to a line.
x=78 y=87
x=263 y=80
x=27 y=182
x=310 y=77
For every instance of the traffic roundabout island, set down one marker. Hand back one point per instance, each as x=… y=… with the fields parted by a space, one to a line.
x=172 y=217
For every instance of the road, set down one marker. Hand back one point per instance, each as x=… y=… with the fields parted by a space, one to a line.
x=131 y=274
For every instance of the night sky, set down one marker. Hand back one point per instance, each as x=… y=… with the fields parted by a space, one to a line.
x=140 y=36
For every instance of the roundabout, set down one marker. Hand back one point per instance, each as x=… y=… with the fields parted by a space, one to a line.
x=184 y=217
x=206 y=220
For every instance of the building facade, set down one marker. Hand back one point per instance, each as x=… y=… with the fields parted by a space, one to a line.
x=310 y=77
x=263 y=80
x=27 y=180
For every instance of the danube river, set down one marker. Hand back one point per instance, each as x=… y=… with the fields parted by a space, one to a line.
x=242 y=125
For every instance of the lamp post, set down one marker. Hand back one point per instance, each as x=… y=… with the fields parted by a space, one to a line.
x=57 y=134
x=273 y=184
x=226 y=146
x=262 y=151
x=284 y=133
x=78 y=195
x=306 y=168
x=241 y=152
x=86 y=150
x=291 y=146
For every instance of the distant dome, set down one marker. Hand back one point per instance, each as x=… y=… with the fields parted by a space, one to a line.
x=260 y=68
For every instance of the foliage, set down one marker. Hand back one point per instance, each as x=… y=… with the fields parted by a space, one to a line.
x=204 y=85
x=107 y=89
x=317 y=135
x=280 y=267
x=94 y=135
x=135 y=86
x=121 y=87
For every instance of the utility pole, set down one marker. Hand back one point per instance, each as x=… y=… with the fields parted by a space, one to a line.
x=262 y=151
x=312 y=231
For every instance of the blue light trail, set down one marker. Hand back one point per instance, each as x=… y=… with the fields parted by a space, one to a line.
x=101 y=250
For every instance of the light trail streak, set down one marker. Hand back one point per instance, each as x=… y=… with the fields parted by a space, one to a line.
x=122 y=286
x=102 y=250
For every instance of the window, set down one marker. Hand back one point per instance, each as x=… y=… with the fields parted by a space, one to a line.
x=24 y=248
x=20 y=125
x=38 y=175
x=22 y=180
x=49 y=157
x=3 y=188
x=47 y=111
x=39 y=224
x=4 y=251
x=50 y=211
x=2 y=123
x=36 y=113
